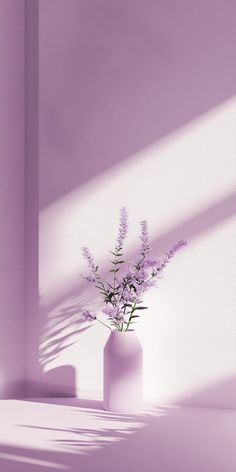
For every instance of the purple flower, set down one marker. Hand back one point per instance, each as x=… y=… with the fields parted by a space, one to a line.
x=175 y=248
x=94 y=276
x=87 y=255
x=123 y=229
x=129 y=295
x=88 y=316
x=151 y=263
x=114 y=312
x=144 y=238
x=89 y=278
x=141 y=276
x=169 y=254
x=132 y=293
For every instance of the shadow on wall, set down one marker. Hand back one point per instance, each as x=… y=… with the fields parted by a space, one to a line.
x=60 y=330
x=56 y=382
x=62 y=321
x=166 y=439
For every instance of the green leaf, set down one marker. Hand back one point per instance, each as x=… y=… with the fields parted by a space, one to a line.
x=132 y=286
x=116 y=254
x=141 y=308
x=100 y=288
x=134 y=316
x=116 y=262
x=114 y=270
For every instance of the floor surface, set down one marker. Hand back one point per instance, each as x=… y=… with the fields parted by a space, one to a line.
x=78 y=435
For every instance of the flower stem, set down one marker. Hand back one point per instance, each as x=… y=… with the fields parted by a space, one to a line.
x=104 y=324
x=130 y=317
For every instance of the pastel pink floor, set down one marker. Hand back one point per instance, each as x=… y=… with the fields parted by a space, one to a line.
x=78 y=435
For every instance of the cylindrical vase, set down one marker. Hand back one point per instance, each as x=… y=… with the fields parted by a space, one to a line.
x=123 y=365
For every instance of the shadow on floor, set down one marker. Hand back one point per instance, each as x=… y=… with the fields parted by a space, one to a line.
x=77 y=435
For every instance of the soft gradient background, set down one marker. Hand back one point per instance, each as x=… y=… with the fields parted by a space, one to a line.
x=127 y=103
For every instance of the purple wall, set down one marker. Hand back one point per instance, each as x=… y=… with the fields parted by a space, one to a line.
x=116 y=77
x=11 y=197
x=31 y=188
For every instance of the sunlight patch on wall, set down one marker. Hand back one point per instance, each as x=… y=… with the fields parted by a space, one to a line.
x=167 y=183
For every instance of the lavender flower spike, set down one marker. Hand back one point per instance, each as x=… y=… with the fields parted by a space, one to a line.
x=89 y=258
x=175 y=248
x=170 y=254
x=123 y=228
x=88 y=316
x=144 y=238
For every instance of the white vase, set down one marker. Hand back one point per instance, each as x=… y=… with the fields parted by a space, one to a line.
x=123 y=359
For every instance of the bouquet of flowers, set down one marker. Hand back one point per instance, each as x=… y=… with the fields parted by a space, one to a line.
x=122 y=294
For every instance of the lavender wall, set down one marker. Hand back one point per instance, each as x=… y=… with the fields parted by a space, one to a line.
x=116 y=77
x=12 y=197
x=136 y=107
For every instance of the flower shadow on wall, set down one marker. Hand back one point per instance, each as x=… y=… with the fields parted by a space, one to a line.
x=61 y=326
x=60 y=329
